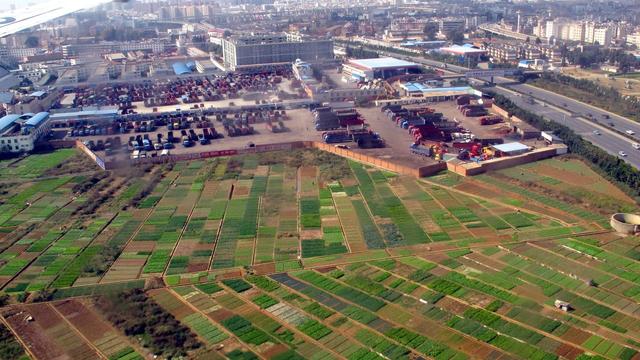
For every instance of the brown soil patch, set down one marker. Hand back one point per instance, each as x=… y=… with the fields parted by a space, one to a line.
x=308 y=171
x=452 y=306
x=263 y=269
x=135 y=246
x=197 y=267
x=229 y=275
x=310 y=234
x=482 y=232
x=87 y=322
x=326 y=269
x=220 y=315
x=575 y=336
x=32 y=334
x=43 y=314
x=567 y=351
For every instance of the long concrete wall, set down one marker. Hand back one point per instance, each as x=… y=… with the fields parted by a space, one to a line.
x=500 y=111
x=350 y=154
x=384 y=164
x=98 y=160
x=470 y=169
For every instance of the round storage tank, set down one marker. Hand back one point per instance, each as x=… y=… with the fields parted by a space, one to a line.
x=625 y=223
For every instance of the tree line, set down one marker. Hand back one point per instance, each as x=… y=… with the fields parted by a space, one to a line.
x=610 y=166
x=590 y=56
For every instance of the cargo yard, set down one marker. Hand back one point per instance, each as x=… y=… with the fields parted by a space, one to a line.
x=461 y=130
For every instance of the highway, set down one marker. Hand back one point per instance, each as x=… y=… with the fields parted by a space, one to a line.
x=608 y=140
x=585 y=119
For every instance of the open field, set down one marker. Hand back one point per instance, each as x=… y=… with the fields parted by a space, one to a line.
x=304 y=255
x=616 y=82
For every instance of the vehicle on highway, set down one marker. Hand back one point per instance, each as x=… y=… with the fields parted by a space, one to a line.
x=622 y=153
x=596 y=132
x=636 y=146
x=611 y=124
x=605 y=116
x=630 y=132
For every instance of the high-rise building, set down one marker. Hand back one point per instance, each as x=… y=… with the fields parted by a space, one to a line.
x=633 y=39
x=448 y=25
x=602 y=36
x=272 y=49
x=576 y=31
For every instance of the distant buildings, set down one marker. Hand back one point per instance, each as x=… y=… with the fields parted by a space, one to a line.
x=587 y=32
x=507 y=52
x=257 y=50
x=103 y=48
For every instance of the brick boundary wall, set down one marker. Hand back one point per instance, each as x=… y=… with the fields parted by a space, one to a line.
x=354 y=155
x=505 y=162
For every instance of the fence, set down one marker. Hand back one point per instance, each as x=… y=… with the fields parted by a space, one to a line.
x=98 y=160
x=421 y=171
x=470 y=168
x=384 y=164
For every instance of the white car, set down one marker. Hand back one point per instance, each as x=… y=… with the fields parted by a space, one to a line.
x=630 y=132
x=596 y=132
x=636 y=146
x=622 y=153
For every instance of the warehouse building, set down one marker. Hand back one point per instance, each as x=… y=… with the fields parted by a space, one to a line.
x=272 y=49
x=465 y=51
x=19 y=133
x=378 y=68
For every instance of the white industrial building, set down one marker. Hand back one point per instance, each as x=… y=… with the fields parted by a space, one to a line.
x=273 y=49
x=19 y=133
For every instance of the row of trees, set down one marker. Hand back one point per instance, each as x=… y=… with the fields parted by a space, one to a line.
x=591 y=56
x=605 y=97
x=610 y=166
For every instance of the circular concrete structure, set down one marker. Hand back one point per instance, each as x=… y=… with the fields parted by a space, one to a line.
x=625 y=223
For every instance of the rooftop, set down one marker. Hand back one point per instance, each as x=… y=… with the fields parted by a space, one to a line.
x=181 y=68
x=37 y=119
x=464 y=49
x=64 y=115
x=7 y=121
x=511 y=147
x=382 y=63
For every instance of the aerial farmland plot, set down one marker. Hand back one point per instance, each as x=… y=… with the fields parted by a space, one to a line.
x=305 y=255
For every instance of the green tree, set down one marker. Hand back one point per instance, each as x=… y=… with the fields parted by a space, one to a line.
x=430 y=30
x=456 y=36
